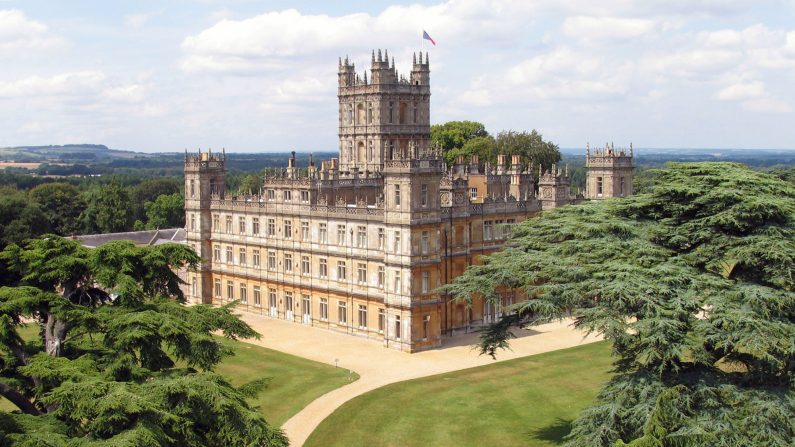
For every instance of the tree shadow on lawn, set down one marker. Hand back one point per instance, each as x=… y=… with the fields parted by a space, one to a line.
x=554 y=432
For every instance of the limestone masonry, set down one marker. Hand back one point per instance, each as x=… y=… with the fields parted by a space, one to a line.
x=360 y=243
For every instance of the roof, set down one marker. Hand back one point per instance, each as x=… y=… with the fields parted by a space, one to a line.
x=140 y=238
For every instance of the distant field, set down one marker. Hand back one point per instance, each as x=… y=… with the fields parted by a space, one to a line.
x=529 y=401
x=26 y=165
x=295 y=382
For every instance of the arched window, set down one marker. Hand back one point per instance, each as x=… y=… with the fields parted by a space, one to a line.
x=360 y=118
x=360 y=155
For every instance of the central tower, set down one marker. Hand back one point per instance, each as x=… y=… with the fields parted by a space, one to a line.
x=383 y=117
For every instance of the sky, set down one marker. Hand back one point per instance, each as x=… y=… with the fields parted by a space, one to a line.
x=260 y=76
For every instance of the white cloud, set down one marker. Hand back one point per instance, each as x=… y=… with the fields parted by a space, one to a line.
x=18 y=33
x=739 y=92
x=65 y=84
x=590 y=29
x=767 y=105
x=137 y=21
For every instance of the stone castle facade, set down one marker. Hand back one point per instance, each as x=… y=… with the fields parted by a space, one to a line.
x=360 y=243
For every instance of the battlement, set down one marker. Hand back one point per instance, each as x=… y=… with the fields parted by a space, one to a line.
x=383 y=72
x=609 y=156
x=204 y=161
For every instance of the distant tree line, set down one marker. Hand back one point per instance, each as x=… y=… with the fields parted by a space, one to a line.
x=29 y=208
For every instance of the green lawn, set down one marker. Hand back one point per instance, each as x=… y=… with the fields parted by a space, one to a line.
x=294 y=381
x=524 y=402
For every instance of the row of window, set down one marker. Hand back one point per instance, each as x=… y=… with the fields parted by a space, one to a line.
x=362 y=117
x=289 y=266
x=306 y=306
x=497 y=229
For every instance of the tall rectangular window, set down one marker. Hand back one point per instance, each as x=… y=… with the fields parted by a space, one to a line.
x=361 y=273
x=324 y=309
x=229 y=256
x=340 y=234
x=218 y=288
x=473 y=193
x=341 y=271
x=272 y=298
x=361 y=239
x=323 y=233
x=305 y=270
x=257 y=296
x=271 y=227
x=271 y=260
x=192 y=188
x=342 y=312
x=305 y=231
x=192 y=222
x=425 y=242
x=426 y=281
x=228 y=224
x=381 y=320
x=255 y=257
x=397 y=196
x=362 y=316
x=323 y=268
x=255 y=225
x=288 y=229
x=241 y=224
x=599 y=186
x=622 y=186
x=230 y=291
x=271 y=195
x=426 y=323
x=397 y=242
x=216 y=223
x=398 y=331
x=381 y=238
x=398 y=282
x=243 y=293
x=499 y=229
x=288 y=196
x=304 y=196
x=424 y=195
x=488 y=233
x=242 y=256
x=381 y=276
x=217 y=253
x=288 y=262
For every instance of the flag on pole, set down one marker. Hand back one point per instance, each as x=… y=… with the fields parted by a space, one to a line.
x=427 y=37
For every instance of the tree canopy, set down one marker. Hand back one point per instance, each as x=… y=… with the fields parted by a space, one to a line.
x=120 y=359
x=692 y=282
x=467 y=138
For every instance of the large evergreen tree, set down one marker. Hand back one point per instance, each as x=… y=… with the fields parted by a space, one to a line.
x=120 y=359
x=692 y=282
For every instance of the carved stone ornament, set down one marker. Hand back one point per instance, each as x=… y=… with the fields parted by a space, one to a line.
x=445 y=198
x=459 y=198
x=546 y=192
x=321 y=200
x=341 y=201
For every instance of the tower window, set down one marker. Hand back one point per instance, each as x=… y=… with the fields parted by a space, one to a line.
x=424 y=195
x=599 y=186
x=397 y=196
x=622 y=186
x=192 y=191
x=425 y=242
x=390 y=112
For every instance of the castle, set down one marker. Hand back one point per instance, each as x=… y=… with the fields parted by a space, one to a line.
x=360 y=243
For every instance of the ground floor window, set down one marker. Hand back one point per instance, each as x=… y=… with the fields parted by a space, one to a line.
x=218 y=288
x=426 y=323
x=362 y=316
x=381 y=320
x=230 y=291
x=324 y=309
x=397 y=327
x=243 y=293
x=257 y=297
x=342 y=312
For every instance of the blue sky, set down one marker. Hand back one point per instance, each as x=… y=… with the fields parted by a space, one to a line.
x=261 y=75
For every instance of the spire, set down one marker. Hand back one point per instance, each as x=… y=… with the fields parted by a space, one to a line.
x=340 y=61
x=379 y=55
x=365 y=77
x=393 y=63
x=414 y=58
x=420 y=57
x=386 y=56
x=630 y=148
x=427 y=59
x=373 y=60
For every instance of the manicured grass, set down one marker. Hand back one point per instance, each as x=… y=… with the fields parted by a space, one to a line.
x=295 y=382
x=524 y=402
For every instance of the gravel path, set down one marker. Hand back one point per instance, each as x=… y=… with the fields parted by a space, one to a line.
x=378 y=366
